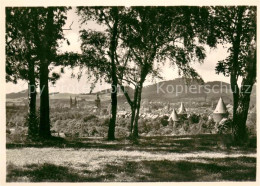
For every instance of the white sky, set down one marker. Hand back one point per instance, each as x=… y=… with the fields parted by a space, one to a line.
x=67 y=84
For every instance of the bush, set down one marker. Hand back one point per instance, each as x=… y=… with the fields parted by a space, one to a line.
x=225 y=126
x=106 y=122
x=164 y=120
x=89 y=117
x=147 y=127
x=210 y=124
x=18 y=136
x=156 y=124
x=194 y=118
x=35 y=119
x=251 y=124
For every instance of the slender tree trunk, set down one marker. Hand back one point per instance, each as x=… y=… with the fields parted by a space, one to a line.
x=235 y=91
x=144 y=71
x=32 y=125
x=138 y=104
x=132 y=121
x=133 y=110
x=44 y=129
x=113 y=45
x=112 y=122
x=132 y=105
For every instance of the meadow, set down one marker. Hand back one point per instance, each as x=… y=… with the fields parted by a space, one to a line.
x=153 y=159
x=194 y=150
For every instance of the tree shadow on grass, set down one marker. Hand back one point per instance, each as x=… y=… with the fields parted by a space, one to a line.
x=199 y=169
x=227 y=169
x=50 y=173
x=178 y=144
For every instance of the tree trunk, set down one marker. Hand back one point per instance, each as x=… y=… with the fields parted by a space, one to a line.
x=133 y=109
x=235 y=91
x=45 y=57
x=32 y=123
x=144 y=71
x=235 y=68
x=113 y=45
x=112 y=122
x=240 y=130
x=44 y=129
x=138 y=104
x=132 y=121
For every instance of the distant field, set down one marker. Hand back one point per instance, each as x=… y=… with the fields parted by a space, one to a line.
x=67 y=96
x=182 y=158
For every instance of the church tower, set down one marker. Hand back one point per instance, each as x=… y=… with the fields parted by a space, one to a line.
x=221 y=111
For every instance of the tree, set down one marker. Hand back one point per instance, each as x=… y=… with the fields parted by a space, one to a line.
x=50 y=23
x=21 y=57
x=99 y=50
x=144 y=33
x=237 y=27
x=71 y=104
x=37 y=30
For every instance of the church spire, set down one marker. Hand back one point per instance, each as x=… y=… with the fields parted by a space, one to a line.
x=221 y=107
x=182 y=109
x=173 y=116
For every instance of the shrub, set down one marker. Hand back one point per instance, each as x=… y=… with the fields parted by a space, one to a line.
x=18 y=136
x=164 y=120
x=210 y=124
x=106 y=122
x=224 y=126
x=34 y=121
x=142 y=125
x=156 y=124
x=194 y=118
x=147 y=127
x=89 y=117
x=204 y=117
x=251 y=124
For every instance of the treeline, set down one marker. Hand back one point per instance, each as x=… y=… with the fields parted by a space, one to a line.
x=135 y=43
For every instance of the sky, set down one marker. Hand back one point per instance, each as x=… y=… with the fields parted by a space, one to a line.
x=72 y=85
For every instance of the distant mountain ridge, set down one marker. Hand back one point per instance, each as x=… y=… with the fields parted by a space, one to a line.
x=15 y=95
x=165 y=91
x=181 y=90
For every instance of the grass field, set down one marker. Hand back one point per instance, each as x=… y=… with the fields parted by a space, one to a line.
x=167 y=158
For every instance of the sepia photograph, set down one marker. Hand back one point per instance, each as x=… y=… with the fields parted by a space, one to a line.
x=130 y=93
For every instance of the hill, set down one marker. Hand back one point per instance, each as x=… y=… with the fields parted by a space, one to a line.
x=120 y=92
x=175 y=90
x=21 y=94
x=179 y=90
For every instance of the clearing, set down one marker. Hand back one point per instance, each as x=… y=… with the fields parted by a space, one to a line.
x=161 y=158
